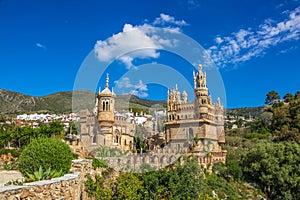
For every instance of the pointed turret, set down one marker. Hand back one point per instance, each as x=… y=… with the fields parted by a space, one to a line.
x=184 y=97
x=106 y=104
x=107 y=81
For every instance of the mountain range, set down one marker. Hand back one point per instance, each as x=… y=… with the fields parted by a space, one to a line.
x=61 y=102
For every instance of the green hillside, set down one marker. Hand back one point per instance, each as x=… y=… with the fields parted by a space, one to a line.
x=61 y=102
x=255 y=112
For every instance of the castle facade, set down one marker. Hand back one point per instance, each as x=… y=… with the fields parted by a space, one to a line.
x=199 y=122
x=195 y=127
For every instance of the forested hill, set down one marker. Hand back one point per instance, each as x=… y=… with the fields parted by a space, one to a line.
x=61 y=102
x=255 y=112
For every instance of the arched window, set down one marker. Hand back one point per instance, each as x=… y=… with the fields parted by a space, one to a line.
x=117 y=138
x=106 y=106
x=103 y=105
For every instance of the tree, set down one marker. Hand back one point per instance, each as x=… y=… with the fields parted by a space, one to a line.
x=297 y=95
x=239 y=122
x=258 y=126
x=274 y=167
x=233 y=162
x=17 y=135
x=73 y=128
x=56 y=127
x=140 y=145
x=128 y=187
x=272 y=97
x=185 y=181
x=295 y=112
x=98 y=189
x=285 y=124
x=6 y=137
x=288 y=98
x=153 y=186
x=281 y=117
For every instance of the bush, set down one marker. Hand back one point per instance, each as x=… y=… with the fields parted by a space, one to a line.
x=46 y=153
x=43 y=175
x=13 y=152
x=99 y=163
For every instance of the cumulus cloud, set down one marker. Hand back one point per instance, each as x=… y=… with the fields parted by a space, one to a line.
x=164 y=19
x=133 y=42
x=246 y=44
x=140 y=89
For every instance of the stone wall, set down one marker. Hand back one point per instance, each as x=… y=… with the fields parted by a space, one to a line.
x=70 y=186
x=8 y=175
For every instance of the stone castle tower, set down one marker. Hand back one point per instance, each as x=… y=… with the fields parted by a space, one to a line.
x=105 y=108
x=105 y=126
x=199 y=123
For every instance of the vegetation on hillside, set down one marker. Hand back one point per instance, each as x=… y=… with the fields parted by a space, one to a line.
x=14 y=136
x=254 y=112
x=266 y=153
x=186 y=180
x=61 y=102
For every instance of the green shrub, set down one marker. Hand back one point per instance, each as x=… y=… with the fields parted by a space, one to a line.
x=75 y=156
x=10 y=165
x=43 y=175
x=13 y=152
x=46 y=153
x=99 y=163
x=256 y=136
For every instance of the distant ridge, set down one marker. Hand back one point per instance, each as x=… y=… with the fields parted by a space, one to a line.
x=61 y=102
x=254 y=112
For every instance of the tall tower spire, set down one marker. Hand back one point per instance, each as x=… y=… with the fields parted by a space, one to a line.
x=107 y=81
x=106 y=104
x=200 y=68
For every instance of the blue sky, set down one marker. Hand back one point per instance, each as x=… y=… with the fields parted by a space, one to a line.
x=254 y=44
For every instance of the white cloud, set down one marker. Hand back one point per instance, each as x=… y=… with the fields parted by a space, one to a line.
x=131 y=39
x=40 y=45
x=164 y=19
x=123 y=83
x=219 y=40
x=246 y=44
x=140 y=89
x=133 y=42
